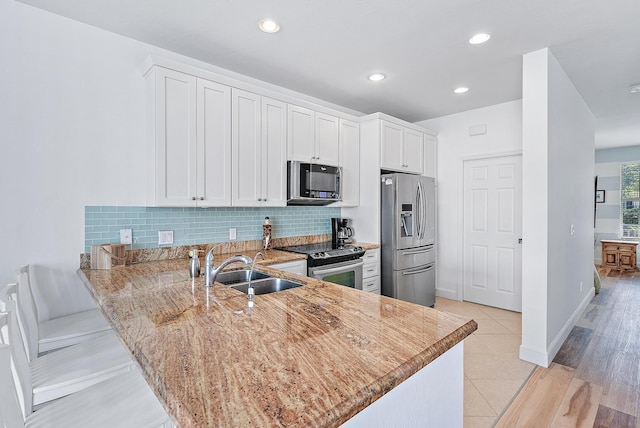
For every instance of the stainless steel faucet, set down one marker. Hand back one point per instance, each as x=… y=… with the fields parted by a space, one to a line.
x=211 y=272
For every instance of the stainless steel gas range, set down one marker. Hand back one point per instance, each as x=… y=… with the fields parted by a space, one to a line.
x=340 y=265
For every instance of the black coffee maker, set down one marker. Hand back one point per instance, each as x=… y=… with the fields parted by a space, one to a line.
x=341 y=234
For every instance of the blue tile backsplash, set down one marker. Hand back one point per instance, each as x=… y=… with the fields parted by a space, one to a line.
x=192 y=226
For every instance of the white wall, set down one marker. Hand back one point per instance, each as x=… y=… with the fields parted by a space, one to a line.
x=558 y=170
x=73 y=132
x=72 y=122
x=504 y=135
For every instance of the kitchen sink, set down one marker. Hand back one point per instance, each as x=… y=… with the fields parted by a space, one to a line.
x=267 y=285
x=238 y=276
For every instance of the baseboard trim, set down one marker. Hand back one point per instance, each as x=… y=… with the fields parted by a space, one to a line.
x=545 y=357
x=447 y=294
x=535 y=356
x=564 y=332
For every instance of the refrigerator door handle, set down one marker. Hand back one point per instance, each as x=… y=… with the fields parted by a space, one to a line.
x=415 y=272
x=411 y=253
x=423 y=211
x=419 y=210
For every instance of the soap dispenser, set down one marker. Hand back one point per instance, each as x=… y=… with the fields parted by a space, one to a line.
x=194 y=263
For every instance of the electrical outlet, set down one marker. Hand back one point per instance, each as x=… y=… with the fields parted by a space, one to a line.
x=232 y=233
x=125 y=236
x=580 y=285
x=572 y=230
x=165 y=237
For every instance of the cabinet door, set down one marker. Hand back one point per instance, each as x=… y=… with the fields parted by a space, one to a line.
x=214 y=144
x=274 y=154
x=391 y=137
x=300 y=135
x=413 y=151
x=327 y=141
x=174 y=179
x=298 y=267
x=246 y=148
x=430 y=156
x=350 y=162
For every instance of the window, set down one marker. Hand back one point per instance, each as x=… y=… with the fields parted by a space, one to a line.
x=629 y=199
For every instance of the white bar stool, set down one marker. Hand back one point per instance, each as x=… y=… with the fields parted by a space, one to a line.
x=124 y=401
x=67 y=370
x=45 y=336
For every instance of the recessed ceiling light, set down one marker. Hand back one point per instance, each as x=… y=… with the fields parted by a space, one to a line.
x=479 y=38
x=460 y=90
x=269 y=26
x=376 y=77
x=634 y=89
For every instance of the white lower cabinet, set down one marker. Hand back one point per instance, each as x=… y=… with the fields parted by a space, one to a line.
x=298 y=267
x=371 y=271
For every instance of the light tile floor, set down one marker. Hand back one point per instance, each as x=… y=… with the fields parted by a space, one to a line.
x=493 y=373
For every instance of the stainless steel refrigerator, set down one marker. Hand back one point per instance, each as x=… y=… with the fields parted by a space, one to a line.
x=407 y=217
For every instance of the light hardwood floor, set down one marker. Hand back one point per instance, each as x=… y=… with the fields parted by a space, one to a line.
x=594 y=380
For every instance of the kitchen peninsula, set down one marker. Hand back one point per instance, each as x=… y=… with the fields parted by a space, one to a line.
x=315 y=355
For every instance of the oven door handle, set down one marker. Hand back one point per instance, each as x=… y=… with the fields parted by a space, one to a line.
x=338 y=269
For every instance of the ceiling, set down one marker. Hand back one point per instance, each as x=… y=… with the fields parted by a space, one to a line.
x=327 y=48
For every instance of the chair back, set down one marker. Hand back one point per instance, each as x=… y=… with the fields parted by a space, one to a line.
x=10 y=414
x=7 y=293
x=12 y=337
x=27 y=313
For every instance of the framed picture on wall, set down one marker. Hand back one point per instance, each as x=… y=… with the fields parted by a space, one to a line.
x=599 y=196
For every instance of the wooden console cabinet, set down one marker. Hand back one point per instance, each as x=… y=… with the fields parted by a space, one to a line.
x=619 y=254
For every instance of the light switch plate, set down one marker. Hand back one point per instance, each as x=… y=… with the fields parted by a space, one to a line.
x=125 y=236
x=165 y=237
x=232 y=233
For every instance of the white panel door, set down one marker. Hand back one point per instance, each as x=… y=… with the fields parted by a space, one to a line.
x=492 y=230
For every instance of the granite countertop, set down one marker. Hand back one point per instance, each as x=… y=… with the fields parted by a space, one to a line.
x=310 y=356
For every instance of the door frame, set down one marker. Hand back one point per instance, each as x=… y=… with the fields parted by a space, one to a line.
x=461 y=161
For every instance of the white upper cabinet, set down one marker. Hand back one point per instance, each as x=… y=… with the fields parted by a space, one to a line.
x=401 y=149
x=258 y=150
x=213 y=132
x=350 y=161
x=430 y=156
x=190 y=151
x=312 y=136
x=413 y=151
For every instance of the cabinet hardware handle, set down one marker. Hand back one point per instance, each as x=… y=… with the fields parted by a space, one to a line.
x=193 y=198
x=202 y=198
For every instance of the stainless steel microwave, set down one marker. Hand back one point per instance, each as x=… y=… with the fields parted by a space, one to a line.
x=313 y=184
